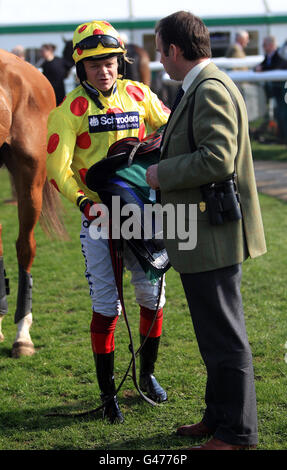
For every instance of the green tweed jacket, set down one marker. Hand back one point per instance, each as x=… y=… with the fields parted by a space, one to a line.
x=222 y=145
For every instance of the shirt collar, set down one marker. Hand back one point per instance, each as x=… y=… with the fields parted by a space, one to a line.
x=192 y=74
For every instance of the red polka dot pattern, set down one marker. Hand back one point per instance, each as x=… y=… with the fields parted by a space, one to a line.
x=82 y=28
x=141 y=132
x=164 y=108
x=83 y=172
x=53 y=143
x=135 y=92
x=114 y=111
x=53 y=182
x=84 y=140
x=79 y=106
x=98 y=31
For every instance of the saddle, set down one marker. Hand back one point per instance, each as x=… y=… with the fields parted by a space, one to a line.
x=122 y=173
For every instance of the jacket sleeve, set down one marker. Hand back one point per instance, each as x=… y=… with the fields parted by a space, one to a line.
x=215 y=131
x=60 y=150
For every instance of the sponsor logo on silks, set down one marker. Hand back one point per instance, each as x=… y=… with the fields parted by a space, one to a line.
x=114 y=122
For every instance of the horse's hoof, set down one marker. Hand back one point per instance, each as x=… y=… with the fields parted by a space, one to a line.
x=22 y=348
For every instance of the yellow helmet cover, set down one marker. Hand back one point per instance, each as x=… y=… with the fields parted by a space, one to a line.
x=96 y=38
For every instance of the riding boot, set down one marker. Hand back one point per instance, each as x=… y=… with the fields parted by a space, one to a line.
x=148 y=357
x=105 y=375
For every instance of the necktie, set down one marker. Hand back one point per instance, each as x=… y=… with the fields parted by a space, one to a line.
x=178 y=97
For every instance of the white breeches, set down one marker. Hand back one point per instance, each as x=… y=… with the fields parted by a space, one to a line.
x=100 y=276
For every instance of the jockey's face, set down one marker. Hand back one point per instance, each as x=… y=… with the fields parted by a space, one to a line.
x=102 y=73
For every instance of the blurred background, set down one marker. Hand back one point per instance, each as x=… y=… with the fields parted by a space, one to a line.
x=248 y=39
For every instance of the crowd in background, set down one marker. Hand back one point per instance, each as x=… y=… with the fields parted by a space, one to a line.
x=57 y=69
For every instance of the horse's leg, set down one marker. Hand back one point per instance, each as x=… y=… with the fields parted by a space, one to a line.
x=5 y=125
x=29 y=184
x=13 y=198
x=3 y=300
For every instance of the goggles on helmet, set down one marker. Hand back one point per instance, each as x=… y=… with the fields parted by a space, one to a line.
x=91 y=42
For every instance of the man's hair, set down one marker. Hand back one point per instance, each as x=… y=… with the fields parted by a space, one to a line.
x=242 y=34
x=186 y=31
x=50 y=47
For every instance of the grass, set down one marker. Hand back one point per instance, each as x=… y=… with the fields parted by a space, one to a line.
x=275 y=152
x=60 y=377
x=266 y=151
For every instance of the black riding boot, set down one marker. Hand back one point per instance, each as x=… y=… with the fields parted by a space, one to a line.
x=105 y=374
x=148 y=382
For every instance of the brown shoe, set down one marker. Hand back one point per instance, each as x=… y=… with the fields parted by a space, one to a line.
x=216 y=444
x=194 y=430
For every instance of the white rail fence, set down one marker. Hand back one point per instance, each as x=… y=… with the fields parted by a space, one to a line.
x=250 y=82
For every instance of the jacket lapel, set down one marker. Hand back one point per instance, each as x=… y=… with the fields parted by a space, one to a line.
x=208 y=71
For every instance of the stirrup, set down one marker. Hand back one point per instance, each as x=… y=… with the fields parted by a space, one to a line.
x=150 y=385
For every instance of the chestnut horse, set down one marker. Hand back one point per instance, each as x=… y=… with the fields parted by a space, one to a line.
x=26 y=98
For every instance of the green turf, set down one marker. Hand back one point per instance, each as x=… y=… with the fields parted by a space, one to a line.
x=60 y=377
x=275 y=152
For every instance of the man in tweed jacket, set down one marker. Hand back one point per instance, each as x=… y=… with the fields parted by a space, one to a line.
x=210 y=147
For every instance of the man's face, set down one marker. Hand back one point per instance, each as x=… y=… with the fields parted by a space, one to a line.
x=171 y=62
x=102 y=73
x=165 y=60
x=269 y=47
x=244 y=40
x=46 y=53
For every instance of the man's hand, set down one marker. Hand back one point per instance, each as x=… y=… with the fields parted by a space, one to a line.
x=152 y=177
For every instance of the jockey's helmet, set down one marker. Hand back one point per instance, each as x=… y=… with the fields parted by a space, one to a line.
x=96 y=39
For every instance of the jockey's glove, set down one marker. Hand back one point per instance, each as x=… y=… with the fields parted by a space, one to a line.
x=85 y=205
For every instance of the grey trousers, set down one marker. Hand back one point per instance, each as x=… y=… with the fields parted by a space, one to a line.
x=215 y=305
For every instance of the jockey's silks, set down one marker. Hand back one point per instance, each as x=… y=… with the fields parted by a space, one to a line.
x=80 y=134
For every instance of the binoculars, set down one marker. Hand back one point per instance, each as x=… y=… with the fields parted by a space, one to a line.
x=222 y=201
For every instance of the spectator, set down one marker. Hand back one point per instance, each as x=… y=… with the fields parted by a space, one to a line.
x=54 y=68
x=275 y=90
x=272 y=59
x=237 y=50
x=19 y=51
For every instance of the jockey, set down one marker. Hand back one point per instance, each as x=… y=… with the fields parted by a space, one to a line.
x=105 y=108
